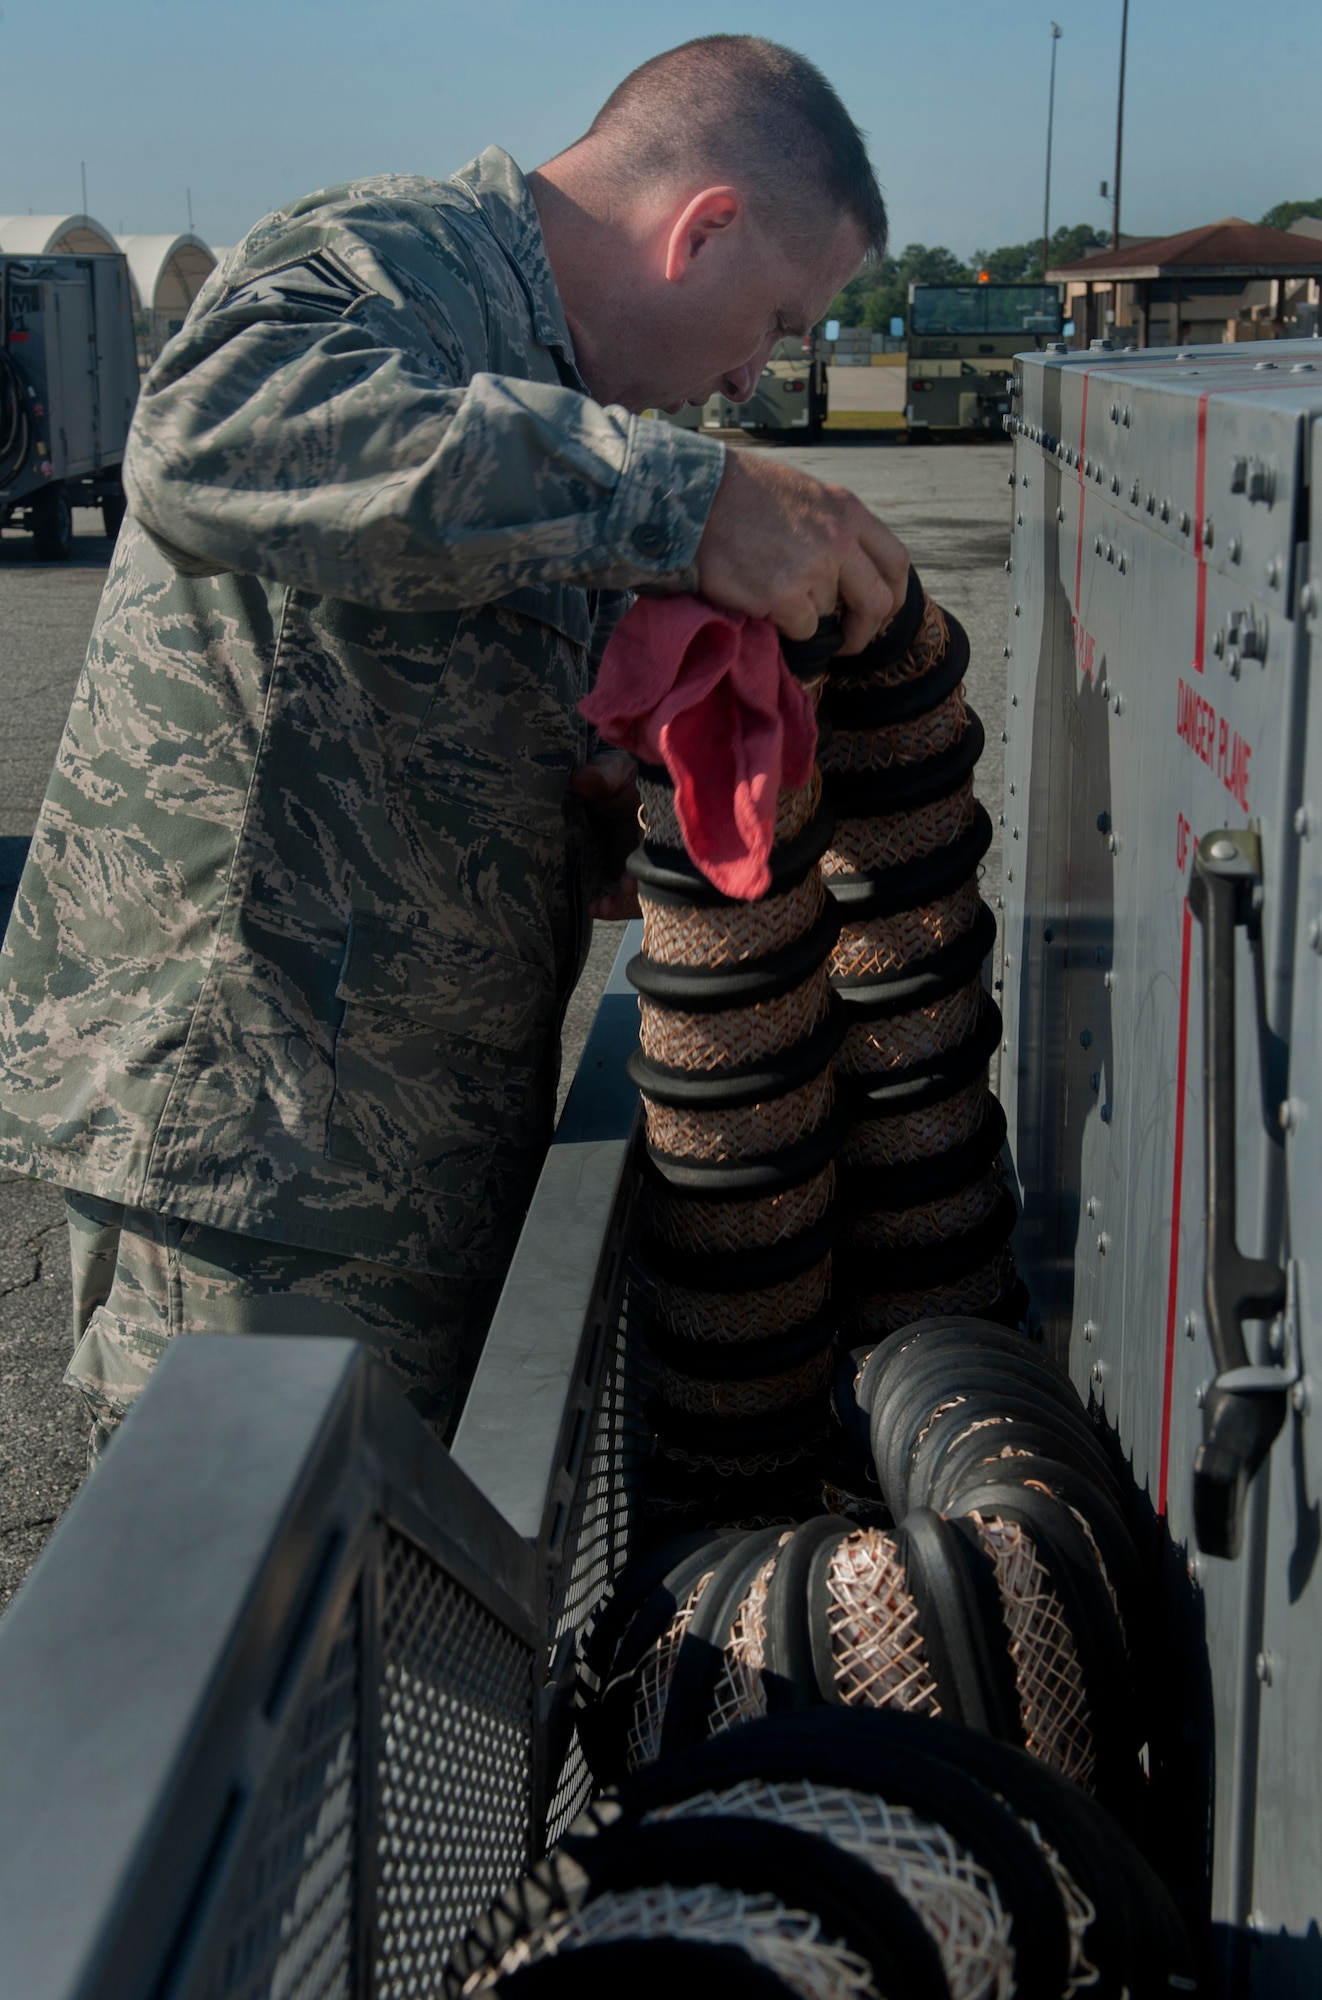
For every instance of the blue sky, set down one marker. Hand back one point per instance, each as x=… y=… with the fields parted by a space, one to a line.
x=250 y=104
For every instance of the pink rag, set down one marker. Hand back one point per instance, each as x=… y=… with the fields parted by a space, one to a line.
x=707 y=694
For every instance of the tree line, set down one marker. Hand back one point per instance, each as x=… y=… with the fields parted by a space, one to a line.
x=880 y=292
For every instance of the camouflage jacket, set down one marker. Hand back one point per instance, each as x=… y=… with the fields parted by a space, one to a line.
x=304 y=902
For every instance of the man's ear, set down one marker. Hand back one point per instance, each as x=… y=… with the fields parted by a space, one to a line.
x=713 y=213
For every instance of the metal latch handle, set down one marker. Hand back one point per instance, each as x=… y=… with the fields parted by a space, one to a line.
x=1244 y=1407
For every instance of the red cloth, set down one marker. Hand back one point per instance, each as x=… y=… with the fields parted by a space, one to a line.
x=707 y=694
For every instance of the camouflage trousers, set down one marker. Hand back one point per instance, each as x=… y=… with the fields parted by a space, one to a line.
x=141 y=1279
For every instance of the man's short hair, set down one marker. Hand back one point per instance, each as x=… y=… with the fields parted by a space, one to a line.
x=751 y=112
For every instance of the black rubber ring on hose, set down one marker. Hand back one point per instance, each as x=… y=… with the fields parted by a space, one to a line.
x=874 y=1273
x=884 y=1190
x=895 y=639
x=920 y=981
x=789 y=1672
x=904 y=787
x=953 y=1583
x=702 y=989
x=668 y=875
x=746 y=1180
x=750 y=1270
x=854 y=708
x=806 y=658
x=931 y=1080
x=700 y=1434
x=911 y=884
x=738 y=1360
x=726 y=1089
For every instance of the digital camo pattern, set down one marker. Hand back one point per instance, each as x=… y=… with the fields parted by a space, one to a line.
x=140 y=1280
x=305 y=899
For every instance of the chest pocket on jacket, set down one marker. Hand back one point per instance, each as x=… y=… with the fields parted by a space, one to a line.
x=443 y=1071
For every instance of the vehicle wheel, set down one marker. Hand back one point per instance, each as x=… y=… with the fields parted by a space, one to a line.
x=52 y=525
x=113 y=509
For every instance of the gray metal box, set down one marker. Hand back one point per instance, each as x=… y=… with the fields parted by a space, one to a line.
x=1159 y=653
x=69 y=332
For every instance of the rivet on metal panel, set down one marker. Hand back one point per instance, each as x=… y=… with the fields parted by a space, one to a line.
x=1095 y=1080
x=1302 y=368
x=1009 y=563
x=1097 y=1373
x=1127 y=416
x=1105 y=1114
x=1060 y=513
x=1104 y=687
x=1308 y=599
x=1009 y=479
x=1301 y=1397
x=1303 y=821
x=1048 y=934
x=1085 y=1042
x=1108 y=981
x=1264 y=1667
x=1200 y=1395
x=1014 y=833
x=1239 y=473
x=1113 y=839
x=1122 y=565
x=1110 y=552
x=1087 y=468
x=1165 y=510
x=1315 y=934
x=1194 y=1567
x=1208 y=533
x=1190 y=1326
x=1133 y=494
x=1090 y=1330
x=1150 y=503
x=1019 y=520
x=1234 y=548
x=1000 y=819
x=1287 y=1117
x=1115 y=482
x=1014 y=701
x=1016 y=610
x=1090 y=1208
x=1115 y=413
x=1233 y=662
x=1023 y=479
x=1221 y=849
x=1005 y=652
x=1184 y=522
x=1012 y=791
x=1219 y=643
x=1005 y=736
x=1274 y=572
x=1264 y=367
x=1097 y=546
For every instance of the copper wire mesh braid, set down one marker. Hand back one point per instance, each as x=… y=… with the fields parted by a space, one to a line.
x=740 y=1694
x=918 y=1135
x=704 y=1226
x=789 y=1942
x=910 y=742
x=929 y=1222
x=876 y=1641
x=871 y=946
x=755 y=1397
x=749 y=1465
x=652 y=1680
x=886 y=1312
x=872 y=1048
x=1053 y=1702
x=867 y=846
x=928 y=649
x=953 y=1895
x=692 y=934
x=697 y=1315
x=732 y=1037
x=660 y=822
x=742 y=1131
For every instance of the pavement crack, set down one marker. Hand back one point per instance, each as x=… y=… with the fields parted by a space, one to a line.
x=33 y=1521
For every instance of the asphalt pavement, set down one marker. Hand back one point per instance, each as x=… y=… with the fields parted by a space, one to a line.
x=951 y=505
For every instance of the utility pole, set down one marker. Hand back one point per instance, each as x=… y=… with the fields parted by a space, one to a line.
x=82 y=168
x=189 y=195
x=1119 y=127
x=1051 y=112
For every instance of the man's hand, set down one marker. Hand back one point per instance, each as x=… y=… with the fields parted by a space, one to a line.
x=782 y=546
x=608 y=787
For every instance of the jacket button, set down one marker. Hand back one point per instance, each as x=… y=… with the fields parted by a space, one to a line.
x=649 y=540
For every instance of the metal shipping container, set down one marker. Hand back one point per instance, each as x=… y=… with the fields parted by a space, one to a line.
x=1162 y=1066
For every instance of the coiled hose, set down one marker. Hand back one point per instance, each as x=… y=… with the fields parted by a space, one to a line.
x=15 y=429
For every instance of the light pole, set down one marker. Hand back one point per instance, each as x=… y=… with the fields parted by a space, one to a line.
x=1119 y=127
x=1051 y=112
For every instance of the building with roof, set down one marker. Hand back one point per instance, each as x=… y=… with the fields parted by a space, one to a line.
x=53 y=235
x=1226 y=280
x=167 y=273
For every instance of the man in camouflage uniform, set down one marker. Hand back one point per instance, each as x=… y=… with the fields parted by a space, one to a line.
x=280 y=999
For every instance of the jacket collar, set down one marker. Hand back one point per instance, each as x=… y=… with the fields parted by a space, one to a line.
x=501 y=194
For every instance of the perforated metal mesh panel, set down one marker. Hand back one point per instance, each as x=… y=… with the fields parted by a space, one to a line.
x=604 y=1513
x=455 y=1768
x=293 y=1928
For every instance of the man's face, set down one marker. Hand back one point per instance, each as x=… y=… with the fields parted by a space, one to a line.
x=738 y=298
